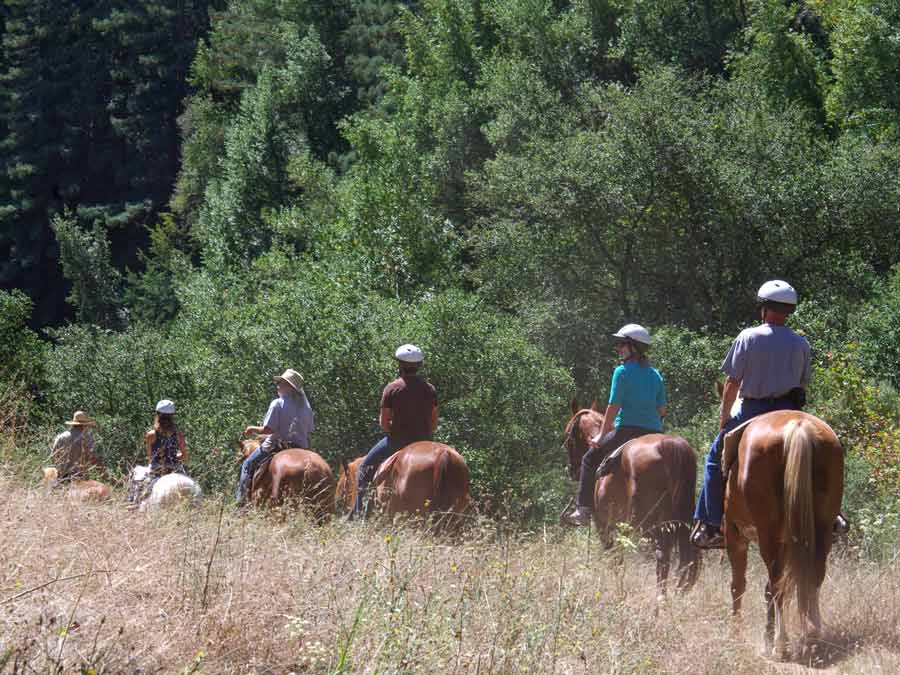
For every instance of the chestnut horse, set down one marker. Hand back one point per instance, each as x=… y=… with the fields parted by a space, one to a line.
x=80 y=490
x=294 y=474
x=345 y=494
x=422 y=477
x=652 y=489
x=783 y=488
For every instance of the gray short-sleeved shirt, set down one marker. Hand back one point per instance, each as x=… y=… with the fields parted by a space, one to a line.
x=70 y=449
x=768 y=360
x=290 y=421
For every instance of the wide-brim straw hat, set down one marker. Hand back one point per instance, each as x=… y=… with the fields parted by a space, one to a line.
x=81 y=419
x=292 y=377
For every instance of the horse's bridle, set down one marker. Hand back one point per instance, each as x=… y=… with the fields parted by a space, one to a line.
x=570 y=438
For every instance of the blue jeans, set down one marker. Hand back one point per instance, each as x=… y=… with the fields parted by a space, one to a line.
x=710 y=503
x=248 y=468
x=379 y=453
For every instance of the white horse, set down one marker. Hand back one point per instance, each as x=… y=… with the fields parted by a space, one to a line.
x=168 y=490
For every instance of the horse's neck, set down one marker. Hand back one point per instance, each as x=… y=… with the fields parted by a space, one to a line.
x=590 y=424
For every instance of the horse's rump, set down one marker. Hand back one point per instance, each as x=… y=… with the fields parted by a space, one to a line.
x=295 y=474
x=423 y=476
x=653 y=490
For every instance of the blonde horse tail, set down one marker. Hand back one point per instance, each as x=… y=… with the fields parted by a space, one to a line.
x=800 y=547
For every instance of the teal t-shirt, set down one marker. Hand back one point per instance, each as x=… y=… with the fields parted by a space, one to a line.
x=639 y=390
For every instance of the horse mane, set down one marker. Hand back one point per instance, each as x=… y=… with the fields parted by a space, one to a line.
x=577 y=416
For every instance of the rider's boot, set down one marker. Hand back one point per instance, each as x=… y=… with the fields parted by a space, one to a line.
x=580 y=516
x=706 y=535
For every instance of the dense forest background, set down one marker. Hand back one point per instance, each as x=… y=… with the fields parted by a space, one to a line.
x=196 y=194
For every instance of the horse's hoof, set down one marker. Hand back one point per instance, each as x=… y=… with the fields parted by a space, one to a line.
x=781 y=653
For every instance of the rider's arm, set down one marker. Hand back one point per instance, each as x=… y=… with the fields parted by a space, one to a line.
x=608 y=418
x=434 y=418
x=257 y=431
x=385 y=418
x=182 y=448
x=151 y=436
x=732 y=386
x=661 y=410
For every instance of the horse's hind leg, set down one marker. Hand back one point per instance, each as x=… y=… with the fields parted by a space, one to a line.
x=688 y=558
x=776 y=632
x=736 y=547
x=662 y=549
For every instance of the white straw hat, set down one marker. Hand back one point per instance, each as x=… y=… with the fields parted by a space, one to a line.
x=81 y=419
x=292 y=377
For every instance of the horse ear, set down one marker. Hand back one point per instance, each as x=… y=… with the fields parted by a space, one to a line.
x=344 y=467
x=720 y=389
x=574 y=404
x=594 y=405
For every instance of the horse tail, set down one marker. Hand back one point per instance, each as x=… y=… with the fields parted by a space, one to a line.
x=441 y=500
x=451 y=482
x=800 y=548
x=683 y=481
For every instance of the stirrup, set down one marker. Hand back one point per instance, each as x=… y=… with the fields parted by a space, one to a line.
x=701 y=538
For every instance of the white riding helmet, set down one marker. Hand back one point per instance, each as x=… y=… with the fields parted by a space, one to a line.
x=633 y=331
x=777 y=291
x=165 y=407
x=409 y=354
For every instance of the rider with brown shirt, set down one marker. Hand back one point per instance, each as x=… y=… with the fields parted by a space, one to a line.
x=408 y=414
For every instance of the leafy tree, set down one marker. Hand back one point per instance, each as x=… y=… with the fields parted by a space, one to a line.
x=694 y=35
x=22 y=352
x=865 y=40
x=781 y=55
x=86 y=263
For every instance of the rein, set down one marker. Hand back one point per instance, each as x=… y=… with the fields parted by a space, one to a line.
x=573 y=430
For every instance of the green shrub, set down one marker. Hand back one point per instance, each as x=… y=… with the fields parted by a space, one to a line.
x=21 y=350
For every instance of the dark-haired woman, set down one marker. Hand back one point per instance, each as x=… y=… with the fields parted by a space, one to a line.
x=166 y=448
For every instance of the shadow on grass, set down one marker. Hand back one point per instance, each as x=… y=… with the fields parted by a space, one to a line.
x=838 y=645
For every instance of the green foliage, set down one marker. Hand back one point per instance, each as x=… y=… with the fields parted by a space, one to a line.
x=695 y=35
x=865 y=39
x=877 y=327
x=22 y=352
x=782 y=55
x=86 y=263
x=690 y=362
x=863 y=413
x=150 y=295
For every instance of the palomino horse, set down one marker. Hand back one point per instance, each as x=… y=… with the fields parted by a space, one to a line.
x=294 y=474
x=81 y=490
x=784 y=485
x=652 y=489
x=422 y=477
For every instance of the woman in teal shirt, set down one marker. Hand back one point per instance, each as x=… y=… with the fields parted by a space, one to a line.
x=637 y=404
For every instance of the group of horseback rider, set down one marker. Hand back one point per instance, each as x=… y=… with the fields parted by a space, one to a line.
x=408 y=414
x=767 y=366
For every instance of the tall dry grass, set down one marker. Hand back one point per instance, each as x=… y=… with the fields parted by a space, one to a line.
x=96 y=588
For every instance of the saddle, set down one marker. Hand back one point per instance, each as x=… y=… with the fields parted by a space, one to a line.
x=264 y=463
x=611 y=462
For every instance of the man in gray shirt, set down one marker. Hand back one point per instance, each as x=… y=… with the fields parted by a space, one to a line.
x=768 y=365
x=288 y=423
x=73 y=450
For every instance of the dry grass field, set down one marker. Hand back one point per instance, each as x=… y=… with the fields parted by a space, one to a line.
x=99 y=589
